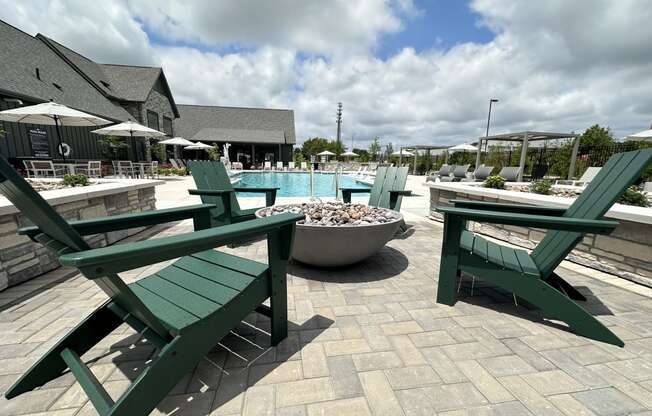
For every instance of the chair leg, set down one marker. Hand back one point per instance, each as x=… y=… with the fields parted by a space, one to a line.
x=559 y=306
x=174 y=361
x=563 y=286
x=82 y=338
x=448 y=269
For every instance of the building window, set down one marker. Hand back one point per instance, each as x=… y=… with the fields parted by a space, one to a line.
x=152 y=119
x=167 y=125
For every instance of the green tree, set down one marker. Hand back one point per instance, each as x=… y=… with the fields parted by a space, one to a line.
x=389 y=149
x=313 y=146
x=158 y=152
x=596 y=136
x=214 y=152
x=111 y=147
x=335 y=147
x=374 y=148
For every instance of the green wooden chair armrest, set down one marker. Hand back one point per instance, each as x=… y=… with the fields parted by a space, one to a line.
x=118 y=258
x=210 y=192
x=356 y=190
x=270 y=193
x=259 y=190
x=537 y=221
x=500 y=207
x=198 y=212
x=346 y=193
x=403 y=193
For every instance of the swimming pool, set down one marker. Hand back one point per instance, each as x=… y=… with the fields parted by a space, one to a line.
x=295 y=183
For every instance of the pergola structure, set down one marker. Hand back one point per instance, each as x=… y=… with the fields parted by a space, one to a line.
x=416 y=154
x=525 y=138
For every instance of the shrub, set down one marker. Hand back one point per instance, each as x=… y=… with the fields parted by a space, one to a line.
x=541 y=187
x=632 y=196
x=495 y=181
x=172 y=171
x=75 y=180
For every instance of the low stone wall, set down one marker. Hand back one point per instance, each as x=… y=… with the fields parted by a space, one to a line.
x=21 y=259
x=626 y=252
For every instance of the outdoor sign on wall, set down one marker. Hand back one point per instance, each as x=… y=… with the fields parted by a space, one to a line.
x=40 y=144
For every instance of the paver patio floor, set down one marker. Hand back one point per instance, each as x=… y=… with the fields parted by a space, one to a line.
x=367 y=340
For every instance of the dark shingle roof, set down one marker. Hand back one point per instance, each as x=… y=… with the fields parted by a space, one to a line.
x=131 y=83
x=120 y=82
x=21 y=54
x=257 y=125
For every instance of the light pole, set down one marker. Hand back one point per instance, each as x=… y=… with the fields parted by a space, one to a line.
x=477 y=158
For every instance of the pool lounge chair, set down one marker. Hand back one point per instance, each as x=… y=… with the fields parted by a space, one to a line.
x=215 y=188
x=510 y=173
x=291 y=166
x=304 y=165
x=459 y=174
x=387 y=191
x=267 y=166
x=531 y=276
x=480 y=174
x=279 y=165
x=183 y=314
x=444 y=171
x=589 y=174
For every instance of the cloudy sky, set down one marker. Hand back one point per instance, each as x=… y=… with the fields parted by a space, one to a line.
x=409 y=72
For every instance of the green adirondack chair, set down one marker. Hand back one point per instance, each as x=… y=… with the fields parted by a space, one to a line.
x=214 y=187
x=387 y=191
x=532 y=276
x=183 y=309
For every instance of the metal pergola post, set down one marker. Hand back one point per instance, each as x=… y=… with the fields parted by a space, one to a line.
x=521 y=165
x=400 y=156
x=571 y=168
x=414 y=169
x=479 y=152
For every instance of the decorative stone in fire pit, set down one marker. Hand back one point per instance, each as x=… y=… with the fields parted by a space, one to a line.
x=338 y=234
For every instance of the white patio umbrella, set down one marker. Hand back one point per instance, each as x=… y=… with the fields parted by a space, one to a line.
x=326 y=154
x=130 y=129
x=645 y=135
x=402 y=153
x=199 y=146
x=177 y=141
x=52 y=113
x=463 y=148
x=352 y=154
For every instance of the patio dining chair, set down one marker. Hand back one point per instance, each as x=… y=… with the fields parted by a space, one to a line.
x=184 y=309
x=215 y=188
x=47 y=169
x=531 y=276
x=126 y=168
x=387 y=191
x=92 y=169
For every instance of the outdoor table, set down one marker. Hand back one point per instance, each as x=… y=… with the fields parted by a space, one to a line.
x=142 y=166
x=71 y=167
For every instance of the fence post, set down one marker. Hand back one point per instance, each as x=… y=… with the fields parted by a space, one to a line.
x=571 y=168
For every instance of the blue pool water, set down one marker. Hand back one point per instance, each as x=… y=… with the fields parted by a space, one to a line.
x=295 y=183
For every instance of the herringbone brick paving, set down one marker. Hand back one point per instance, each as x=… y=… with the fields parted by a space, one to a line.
x=366 y=340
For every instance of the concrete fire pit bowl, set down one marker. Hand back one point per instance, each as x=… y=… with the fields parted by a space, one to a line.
x=336 y=239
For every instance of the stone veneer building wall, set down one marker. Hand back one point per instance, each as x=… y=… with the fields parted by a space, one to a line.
x=22 y=259
x=626 y=252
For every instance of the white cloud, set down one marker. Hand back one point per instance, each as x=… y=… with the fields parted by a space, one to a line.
x=309 y=25
x=102 y=30
x=554 y=65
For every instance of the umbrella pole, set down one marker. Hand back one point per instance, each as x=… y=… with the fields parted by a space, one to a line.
x=56 y=125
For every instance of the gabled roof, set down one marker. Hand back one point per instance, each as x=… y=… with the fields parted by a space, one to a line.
x=120 y=82
x=238 y=124
x=20 y=56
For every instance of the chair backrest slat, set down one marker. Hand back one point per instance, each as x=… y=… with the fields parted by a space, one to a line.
x=212 y=175
x=58 y=235
x=377 y=187
x=620 y=171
